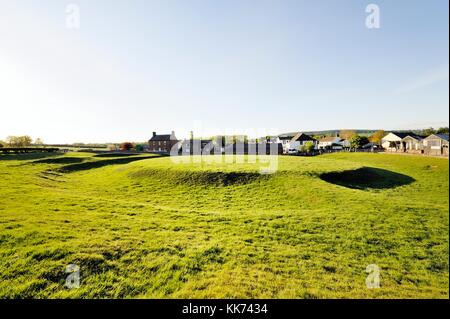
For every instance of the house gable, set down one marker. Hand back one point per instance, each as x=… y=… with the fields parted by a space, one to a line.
x=162 y=142
x=393 y=137
x=413 y=138
x=301 y=137
x=444 y=137
x=330 y=139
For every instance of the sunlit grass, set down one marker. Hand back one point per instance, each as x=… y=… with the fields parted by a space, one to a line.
x=154 y=228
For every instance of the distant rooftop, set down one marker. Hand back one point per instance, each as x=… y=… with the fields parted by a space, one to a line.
x=163 y=137
x=287 y=136
x=405 y=134
x=442 y=135
x=302 y=137
x=329 y=139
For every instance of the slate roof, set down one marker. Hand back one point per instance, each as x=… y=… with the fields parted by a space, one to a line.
x=302 y=137
x=440 y=135
x=287 y=136
x=416 y=137
x=329 y=139
x=405 y=134
x=163 y=137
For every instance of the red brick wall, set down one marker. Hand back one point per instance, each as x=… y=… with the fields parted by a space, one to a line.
x=161 y=146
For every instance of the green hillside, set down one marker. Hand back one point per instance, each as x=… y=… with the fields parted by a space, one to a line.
x=144 y=226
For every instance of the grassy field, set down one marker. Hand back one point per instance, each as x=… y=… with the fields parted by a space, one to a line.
x=144 y=227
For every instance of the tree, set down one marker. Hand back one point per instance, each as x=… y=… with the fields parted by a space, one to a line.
x=358 y=141
x=442 y=130
x=377 y=136
x=112 y=147
x=12 y=141
x=19 y=141
x=38 y=141
x=318 y=137
x=428 y=131
x=139 y=148
x=2 y=144
x=126 y=146
x=25 y=140
x=308 y=147
x=347 y=134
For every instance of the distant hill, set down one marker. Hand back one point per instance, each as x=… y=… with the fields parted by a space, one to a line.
x=335 y=132
x=332 y=132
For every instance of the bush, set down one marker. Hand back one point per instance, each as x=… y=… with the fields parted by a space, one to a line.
x=309 y=147
x=126 y=146
x=358 y=141
x=19 y=141
x=377 y=136
x=112 y=147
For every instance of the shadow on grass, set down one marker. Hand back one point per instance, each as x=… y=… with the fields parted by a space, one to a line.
x=367 y=178
x=201 y=178
x=26 y=156
x=60 y=160
x=220 y=178
x=116 y=154
x=91 y=165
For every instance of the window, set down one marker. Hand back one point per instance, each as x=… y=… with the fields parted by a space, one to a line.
x=433 y=143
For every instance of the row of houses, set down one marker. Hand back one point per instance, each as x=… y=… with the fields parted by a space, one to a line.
x=290 y=143
x=293 y=142
x=164 y=143
x=408 y=142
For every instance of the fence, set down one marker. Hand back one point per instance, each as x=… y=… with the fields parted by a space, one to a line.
x=329 y=151
x=17 y=150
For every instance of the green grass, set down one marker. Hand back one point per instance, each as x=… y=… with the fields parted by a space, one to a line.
x=149 y=228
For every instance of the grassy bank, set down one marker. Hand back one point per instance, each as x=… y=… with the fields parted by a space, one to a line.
x=143 y=226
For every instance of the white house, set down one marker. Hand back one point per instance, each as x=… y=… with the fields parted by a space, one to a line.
x=285 y=140
x=333 y=142
x=437 y=144
x=295 y=141
x=300 y=140
x=412 y=143
x=395 y=141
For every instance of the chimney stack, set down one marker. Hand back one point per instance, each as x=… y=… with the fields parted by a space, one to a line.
x=154 y=134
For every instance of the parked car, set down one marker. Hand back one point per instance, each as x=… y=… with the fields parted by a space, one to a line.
x=292 y=151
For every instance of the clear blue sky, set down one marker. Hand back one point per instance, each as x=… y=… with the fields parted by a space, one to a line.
x=223 y=66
